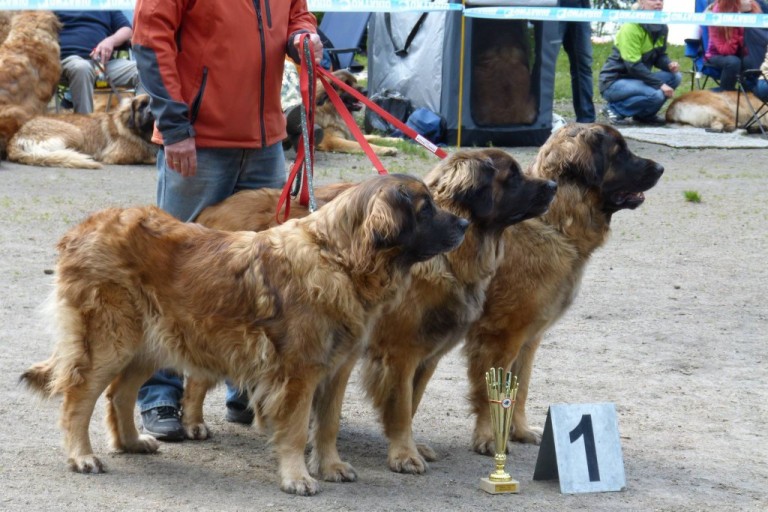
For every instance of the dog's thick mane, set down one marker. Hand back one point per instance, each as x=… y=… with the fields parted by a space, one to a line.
x=574 y=213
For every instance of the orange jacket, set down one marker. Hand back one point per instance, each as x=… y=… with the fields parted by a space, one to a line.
x=214 y=68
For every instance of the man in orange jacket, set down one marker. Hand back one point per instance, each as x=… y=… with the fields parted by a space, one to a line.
x=213 y=71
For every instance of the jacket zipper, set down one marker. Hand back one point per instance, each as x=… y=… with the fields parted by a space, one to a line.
x=198 y=97
x=269 y=13
x=262 y=123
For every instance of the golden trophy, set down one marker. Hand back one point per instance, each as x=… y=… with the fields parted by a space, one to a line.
x=501 y=398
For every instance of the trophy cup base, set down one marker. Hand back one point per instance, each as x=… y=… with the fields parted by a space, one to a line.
x=510 y=487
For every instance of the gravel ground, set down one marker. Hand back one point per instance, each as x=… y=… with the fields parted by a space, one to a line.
x=669 y=326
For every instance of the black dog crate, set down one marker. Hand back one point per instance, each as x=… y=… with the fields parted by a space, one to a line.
x=508 y=73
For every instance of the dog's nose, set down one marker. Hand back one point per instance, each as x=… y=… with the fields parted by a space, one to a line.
x=551 y=186
x=463 y=223
x=659 y=169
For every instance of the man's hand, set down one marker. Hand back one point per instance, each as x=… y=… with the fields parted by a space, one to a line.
x=103 y=51
x=674 y=66
x=317 y=46
x=182 y=157
x=667 y=90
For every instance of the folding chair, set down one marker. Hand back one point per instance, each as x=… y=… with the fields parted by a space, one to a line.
x=694 y=50
x=756 y=114
x=342 y=34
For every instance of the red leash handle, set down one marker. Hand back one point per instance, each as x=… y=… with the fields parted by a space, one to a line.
x=420 y=139
x=305 y=158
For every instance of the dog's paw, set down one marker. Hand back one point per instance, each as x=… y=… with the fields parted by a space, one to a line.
x=483 y=443
x=528 y=435
x=86 y=464
x=387 y=151
x=339 y=472
x=331 y=469
x=197 y=431
x=303 y=486
x=143 y=444
x=427 y=452
x=406 y=461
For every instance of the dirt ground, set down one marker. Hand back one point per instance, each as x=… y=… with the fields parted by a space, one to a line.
x=670 y=326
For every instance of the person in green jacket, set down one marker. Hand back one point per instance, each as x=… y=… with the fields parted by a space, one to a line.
x=627 y=81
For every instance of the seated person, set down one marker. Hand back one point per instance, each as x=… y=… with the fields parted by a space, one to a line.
x=627 y=82
x=726 y=48
x=87 y=39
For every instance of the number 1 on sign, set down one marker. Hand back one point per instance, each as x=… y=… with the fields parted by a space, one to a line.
x=584 y=429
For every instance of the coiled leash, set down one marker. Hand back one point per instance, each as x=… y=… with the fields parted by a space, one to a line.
x=300 y=179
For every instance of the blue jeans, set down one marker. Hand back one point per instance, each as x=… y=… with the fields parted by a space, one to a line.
x=220 y=173
x=729 y=66
x=577 y=43
x=633 y=97
x=761 y=90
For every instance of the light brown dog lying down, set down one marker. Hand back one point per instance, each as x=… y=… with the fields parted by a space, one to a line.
x=85 y=141
x=713 y=110
x=283 y=313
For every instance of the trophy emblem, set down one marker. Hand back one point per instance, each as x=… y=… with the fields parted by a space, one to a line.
x=501 y=398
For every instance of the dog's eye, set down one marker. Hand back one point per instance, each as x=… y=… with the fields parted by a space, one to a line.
x=427 y=210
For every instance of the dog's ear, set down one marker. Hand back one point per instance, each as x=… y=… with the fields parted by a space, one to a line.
x=132 y=117
x=597 y=141
x=576 y=153
x=382 y=226
x=468 y=184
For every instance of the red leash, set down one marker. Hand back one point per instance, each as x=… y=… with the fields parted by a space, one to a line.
x=413 y=134
x=305 y=153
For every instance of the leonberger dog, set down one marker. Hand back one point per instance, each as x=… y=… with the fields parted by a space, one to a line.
x=85 y=141
x=715 y=110
x=445 y=296
x=336 y=134
x=282 y=313
x=29 y=70
x=597 y=175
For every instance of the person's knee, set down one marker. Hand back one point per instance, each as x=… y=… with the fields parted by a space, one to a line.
x=80 y=68
x=675 y=80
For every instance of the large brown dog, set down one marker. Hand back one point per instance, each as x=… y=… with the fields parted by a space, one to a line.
x=29 y=70
x=597 y=175
x=446 y=293
x=82 y=141
x=714 y=110
x=281 y=313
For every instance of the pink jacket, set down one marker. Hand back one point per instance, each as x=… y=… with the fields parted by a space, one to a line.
x=719 y=45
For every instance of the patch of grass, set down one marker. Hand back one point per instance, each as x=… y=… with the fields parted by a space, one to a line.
x=692 y=196
x=405 y=147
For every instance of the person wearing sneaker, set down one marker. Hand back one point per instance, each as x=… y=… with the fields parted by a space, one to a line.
x=214 y=138
x=627 y=81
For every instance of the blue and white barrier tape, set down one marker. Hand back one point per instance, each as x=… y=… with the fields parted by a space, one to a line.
x=314 y=5
x=619 y=16
x=518 y=13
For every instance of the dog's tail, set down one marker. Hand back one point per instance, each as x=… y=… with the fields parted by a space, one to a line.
x=48 y=153
x=64 y=369
x=39 y=376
